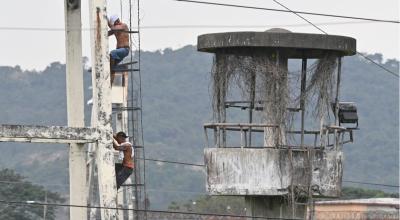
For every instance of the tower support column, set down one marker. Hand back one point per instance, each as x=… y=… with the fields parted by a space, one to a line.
x=102 y=103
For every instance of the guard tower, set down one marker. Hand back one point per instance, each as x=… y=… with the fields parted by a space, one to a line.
x=287 y=147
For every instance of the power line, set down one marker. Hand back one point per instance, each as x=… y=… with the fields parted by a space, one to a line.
x=34 y=203
x=173 y=162
x=297 y=13
x=33 y=183
x=360 y=54
x=67 y=185
x=198 y=165
x=290 y=11
x=381 y=66
x=246 y=26
x=193 y=26
x=203 y=165
x=375 y=184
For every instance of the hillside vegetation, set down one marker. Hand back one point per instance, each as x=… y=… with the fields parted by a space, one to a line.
x=176 y=102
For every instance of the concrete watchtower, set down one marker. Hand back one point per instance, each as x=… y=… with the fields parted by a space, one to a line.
x=272 y=158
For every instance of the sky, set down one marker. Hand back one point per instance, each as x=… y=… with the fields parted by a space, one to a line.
x=172 y=24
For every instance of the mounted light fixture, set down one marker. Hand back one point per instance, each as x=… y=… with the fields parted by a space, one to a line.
x=347 y=113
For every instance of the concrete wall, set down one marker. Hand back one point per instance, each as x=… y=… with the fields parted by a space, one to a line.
x=274 y=207
x=265 y=171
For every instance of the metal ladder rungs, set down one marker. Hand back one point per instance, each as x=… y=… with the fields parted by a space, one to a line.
x=126 y=109
x=127 y=63
x=125 y=70
x=133 y=184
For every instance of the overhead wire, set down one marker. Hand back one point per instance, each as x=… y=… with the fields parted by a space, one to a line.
x=203 y=165
x=194 y=26
x=375 y=184
x=360 y=54
x=173 y=162
x=301 y=17
x=35 y=203
x=290 y=11
x=297 y=13
x=67 y=186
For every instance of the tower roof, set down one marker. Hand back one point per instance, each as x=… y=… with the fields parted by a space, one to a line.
x=292 y=45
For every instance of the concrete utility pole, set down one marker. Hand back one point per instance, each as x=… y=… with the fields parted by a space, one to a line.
x=75 y=106
x=76 y=135
x=102 y=103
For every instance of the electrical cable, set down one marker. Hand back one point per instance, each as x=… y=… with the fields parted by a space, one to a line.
x=34 y=203
x=375 y=184
x=301 y=17
x=67 y=186
x=289 y=11
x=202 y=165
x=9 y=28
x=360 y=54
x=309 y=13
x=173 y=162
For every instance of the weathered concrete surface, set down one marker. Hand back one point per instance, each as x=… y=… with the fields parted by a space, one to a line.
x=293 y=45
x=75 y=107
x=53 y=134
x=265 y=171
x=275 y=207
x=102 y=103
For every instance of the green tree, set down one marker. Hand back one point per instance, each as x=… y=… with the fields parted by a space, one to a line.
x=360 y=193
x=14 y=187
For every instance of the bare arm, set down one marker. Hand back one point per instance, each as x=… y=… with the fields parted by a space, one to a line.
x=123 y=146
x=115 y=143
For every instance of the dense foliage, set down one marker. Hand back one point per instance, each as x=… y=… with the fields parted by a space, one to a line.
x=360 y=193
x=14 y=188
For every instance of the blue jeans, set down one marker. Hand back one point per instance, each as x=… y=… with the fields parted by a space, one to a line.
x=119 y=54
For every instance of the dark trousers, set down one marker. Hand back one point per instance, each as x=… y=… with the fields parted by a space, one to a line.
x=121 y=174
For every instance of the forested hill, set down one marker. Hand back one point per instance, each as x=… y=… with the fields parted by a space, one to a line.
x=176 y=102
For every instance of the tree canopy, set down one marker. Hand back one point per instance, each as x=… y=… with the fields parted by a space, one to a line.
x=14 y=187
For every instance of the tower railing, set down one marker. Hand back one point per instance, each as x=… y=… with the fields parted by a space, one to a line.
x=322 y=139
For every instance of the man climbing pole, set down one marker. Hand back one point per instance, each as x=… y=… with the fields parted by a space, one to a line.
x=121 y=32
x=124 y=170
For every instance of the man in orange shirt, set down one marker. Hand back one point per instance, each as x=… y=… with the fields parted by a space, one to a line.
x=124 y=170
x=120 y=31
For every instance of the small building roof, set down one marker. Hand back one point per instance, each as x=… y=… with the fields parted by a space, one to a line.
x=371 y=201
